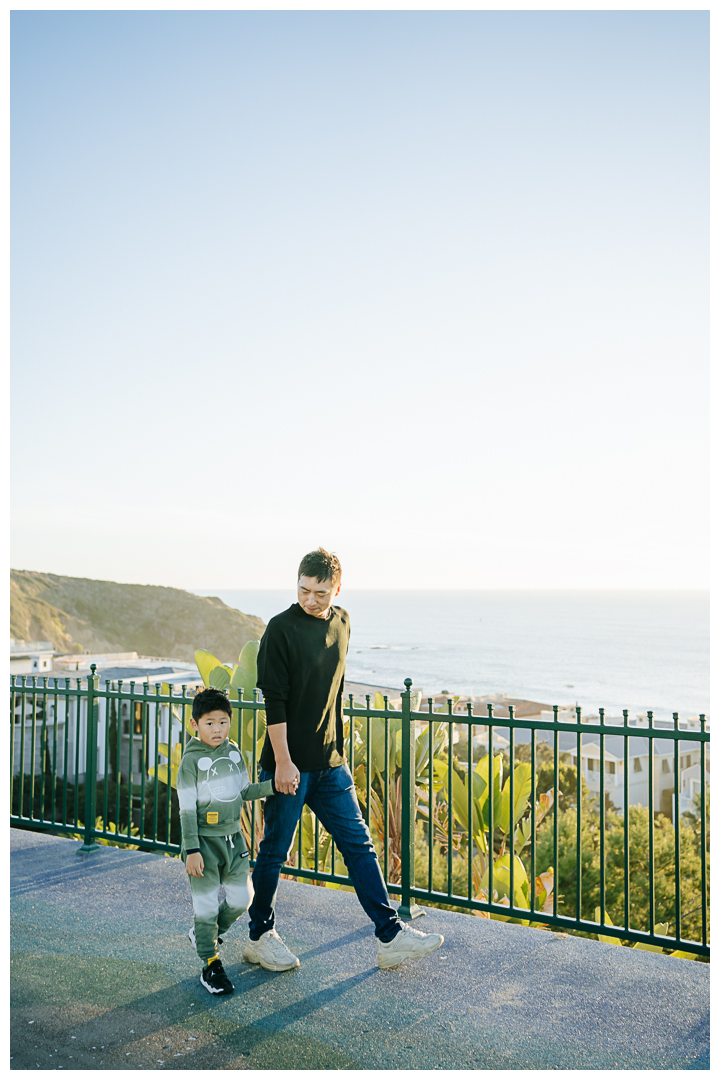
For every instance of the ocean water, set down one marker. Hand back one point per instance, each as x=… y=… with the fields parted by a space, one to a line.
x=616 y=649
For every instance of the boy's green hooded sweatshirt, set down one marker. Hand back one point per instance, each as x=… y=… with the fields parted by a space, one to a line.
x=212 y=785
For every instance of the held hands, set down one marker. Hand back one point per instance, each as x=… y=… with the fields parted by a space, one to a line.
x=287 y=777
x=194 y=864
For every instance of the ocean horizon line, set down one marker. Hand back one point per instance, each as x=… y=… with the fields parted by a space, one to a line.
x=489 y=589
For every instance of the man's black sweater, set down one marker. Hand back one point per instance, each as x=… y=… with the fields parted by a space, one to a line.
x=301 y=672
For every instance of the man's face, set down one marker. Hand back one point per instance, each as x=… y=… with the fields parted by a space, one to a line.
x=212 y=728
x=315 y=597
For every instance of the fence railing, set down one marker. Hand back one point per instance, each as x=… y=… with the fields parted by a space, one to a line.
x=596 y=827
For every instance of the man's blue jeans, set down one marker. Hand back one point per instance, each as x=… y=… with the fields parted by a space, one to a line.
x=330 y=794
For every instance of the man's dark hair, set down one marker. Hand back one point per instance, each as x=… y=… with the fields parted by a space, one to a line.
x=208 y=701
x=322 y=565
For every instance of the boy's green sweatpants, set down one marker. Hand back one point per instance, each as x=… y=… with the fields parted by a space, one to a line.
x=226 y=863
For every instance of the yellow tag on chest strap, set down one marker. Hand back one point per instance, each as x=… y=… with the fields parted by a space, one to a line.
x=212 y=817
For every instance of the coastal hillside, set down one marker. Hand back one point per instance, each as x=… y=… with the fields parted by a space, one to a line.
x=79 y=614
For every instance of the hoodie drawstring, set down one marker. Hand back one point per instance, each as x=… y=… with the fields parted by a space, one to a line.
x=231 y=843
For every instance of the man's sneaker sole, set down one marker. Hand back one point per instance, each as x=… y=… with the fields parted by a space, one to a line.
x=388 y=962
x=252 y=957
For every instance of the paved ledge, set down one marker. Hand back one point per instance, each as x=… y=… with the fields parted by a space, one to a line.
x=104 y=978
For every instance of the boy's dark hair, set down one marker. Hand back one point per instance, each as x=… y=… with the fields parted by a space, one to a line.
x=322 y=565
x=208 y=701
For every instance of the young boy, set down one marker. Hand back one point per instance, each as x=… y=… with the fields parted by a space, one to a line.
x=212 y=785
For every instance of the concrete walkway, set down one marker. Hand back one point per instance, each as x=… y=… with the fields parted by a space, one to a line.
x=104 y=978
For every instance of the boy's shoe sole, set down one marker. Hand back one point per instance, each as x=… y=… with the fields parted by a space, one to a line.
x=409 y=944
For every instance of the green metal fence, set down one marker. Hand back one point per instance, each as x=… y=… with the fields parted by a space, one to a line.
x=499 y=815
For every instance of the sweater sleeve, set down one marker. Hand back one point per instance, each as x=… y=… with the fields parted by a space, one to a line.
x=274 y=674
x=275 y=710
x=258 y=791
x=187 y=801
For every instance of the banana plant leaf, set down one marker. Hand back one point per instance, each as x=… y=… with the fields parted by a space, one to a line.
x=482 y=770
x=440 y=772
x=111 y=827
x=206 y=664
x=523 y=831
x=245 y=671
x=220 y=677
x=522 y=789
x=360 y=778
x=394 y=729
x=478 y=798
x=162 y=769
x=544 y=885
x=415 y=700
x=308 y=843
x=501 y=882
x=422 y=753
x=661 y=930
x=244 y=677
x=377 y=742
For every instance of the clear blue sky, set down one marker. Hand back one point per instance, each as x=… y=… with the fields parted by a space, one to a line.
x=428 y=288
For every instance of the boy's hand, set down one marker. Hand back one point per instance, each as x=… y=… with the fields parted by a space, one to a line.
x=194 y=864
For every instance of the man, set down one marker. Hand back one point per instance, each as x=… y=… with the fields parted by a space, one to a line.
x=301 y=670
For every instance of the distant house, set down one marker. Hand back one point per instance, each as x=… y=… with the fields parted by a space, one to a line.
x=690 y=782
x=31 y=657
x=637 y=762
x=120 y=737
x=638 y=754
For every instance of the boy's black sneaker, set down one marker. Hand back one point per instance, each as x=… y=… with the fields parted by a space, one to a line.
x=215 y=980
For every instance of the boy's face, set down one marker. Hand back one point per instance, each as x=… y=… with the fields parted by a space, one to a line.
x=315 y=597
x=212 y=728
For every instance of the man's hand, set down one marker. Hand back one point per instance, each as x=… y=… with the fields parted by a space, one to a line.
x=287 y=777
x=194 y=864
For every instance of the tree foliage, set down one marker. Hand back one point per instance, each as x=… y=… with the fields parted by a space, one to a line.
x=639 y=916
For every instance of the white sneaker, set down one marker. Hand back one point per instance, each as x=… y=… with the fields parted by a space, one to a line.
x=270 y=951
x=409 y=944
